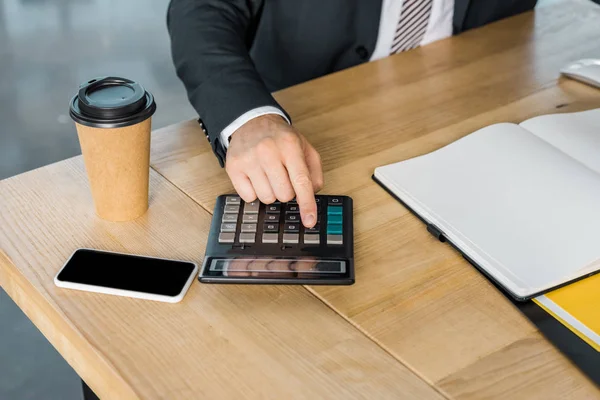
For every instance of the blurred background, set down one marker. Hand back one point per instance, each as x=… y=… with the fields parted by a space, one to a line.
x=47 y=47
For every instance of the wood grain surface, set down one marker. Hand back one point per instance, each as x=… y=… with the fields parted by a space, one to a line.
x=220 y=342
x=416 y=297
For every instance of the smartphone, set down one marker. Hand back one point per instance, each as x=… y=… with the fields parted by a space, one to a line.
x=127 y=275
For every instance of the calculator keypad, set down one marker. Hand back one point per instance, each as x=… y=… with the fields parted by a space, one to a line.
x=257 y=243
x=279 y=223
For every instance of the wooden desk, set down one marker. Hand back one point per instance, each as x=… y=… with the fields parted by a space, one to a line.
x=417 y=298
x=220 y=342
x=420 y=322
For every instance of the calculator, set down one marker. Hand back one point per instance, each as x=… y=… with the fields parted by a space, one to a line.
x=256 y=243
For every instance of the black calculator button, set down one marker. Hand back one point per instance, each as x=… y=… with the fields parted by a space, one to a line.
x=252 y=207
x=314 y=229
x=228 y=227
x=335 y=239
x=292 y=218
x=311 y=238
x=248 y=228
x=273 y=208
x=226 y=237
x=317 y=200
x=270 y=228
x=230 y=218
x=270 y=237
x=233 y=200
x=292 y=209
x=291 y=228
x=250 y=218
x=247 y=237
x=231 y=209
x=291 y=238
x=334 y=201
x=272 y=218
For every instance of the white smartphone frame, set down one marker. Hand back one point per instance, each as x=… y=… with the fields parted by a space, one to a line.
x=123 y=292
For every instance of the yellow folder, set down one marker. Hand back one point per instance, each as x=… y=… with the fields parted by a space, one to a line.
x=577 y=306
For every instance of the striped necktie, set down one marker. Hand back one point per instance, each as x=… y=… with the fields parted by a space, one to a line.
x=411 y=28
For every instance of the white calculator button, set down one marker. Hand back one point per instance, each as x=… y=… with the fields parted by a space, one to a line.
x=291 y=238
x=226 y=237
x=230 y=218
x=251 y=208
x=247 y=237
x=228 y=227
x=270 y=237
x=250 y=218
x=233 y=200
x=248 y=228
x=231 y=209
x=311 y=239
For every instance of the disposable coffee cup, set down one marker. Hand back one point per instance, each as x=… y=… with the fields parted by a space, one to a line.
x=113 y=119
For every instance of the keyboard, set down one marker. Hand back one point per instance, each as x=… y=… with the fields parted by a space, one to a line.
x=267 y=243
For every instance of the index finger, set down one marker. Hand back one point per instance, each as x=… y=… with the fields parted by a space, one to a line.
x=302 y=184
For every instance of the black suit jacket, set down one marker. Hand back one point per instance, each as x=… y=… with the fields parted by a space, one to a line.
x=230 y=54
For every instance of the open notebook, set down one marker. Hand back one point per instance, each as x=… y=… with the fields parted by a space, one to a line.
x=521 y=201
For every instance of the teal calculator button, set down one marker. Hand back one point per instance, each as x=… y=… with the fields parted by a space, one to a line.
x=334 y=229
x=334 y=219
x=334 y=210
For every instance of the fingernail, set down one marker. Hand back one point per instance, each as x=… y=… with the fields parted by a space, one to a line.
x=309 y=220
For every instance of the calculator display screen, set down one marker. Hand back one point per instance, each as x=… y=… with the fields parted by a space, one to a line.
x=256 y=267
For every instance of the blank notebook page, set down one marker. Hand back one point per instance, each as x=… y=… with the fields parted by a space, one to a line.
x=576 y=134
x=523 y=210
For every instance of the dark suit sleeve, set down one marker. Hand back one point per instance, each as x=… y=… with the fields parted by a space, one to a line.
x=210 y=42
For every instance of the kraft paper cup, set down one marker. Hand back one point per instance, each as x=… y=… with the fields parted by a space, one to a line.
x=113 y=119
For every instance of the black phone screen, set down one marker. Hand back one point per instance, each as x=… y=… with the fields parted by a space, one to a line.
x=127 y=272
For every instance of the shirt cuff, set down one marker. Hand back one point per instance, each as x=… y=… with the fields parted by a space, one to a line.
x=247 y=116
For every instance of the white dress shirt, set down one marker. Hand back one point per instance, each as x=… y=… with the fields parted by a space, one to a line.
x=439 y=27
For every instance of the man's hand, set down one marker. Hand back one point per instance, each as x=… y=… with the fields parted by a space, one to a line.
x=270 y=160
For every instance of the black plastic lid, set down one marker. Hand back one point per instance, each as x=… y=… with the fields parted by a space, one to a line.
x=111 y=102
